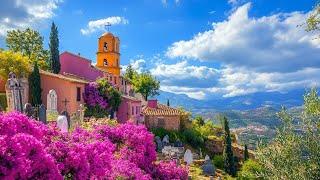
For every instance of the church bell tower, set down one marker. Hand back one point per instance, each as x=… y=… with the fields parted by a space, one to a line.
x=108 y=56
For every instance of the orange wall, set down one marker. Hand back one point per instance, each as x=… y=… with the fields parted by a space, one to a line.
x=64 y=89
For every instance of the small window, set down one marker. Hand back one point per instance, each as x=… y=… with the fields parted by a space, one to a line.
x=132 y=110
x=78 y=94
x=105 y=62
x=105 y=46
x=122 y=82
x=115 y=80
x=111 y=78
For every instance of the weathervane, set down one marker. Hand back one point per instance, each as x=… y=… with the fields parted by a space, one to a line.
x=107 y=26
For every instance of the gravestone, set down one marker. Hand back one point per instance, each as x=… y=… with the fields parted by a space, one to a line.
x=208 y=167
x=159 y=143
x=62 y=123
x=165 y=140
x=200 y=153
x=28 y=110
x=188 y=157
x=178 y=143
x=43 y=114
x=81 y=113
x=52 y=100
x=66 y=114
x=206 y=158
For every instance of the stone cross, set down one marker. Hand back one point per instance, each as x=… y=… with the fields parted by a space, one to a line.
x=43 y=114
x=65 y=102
x=16 y=94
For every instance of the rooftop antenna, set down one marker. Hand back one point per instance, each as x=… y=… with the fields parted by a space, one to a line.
x=107 y=26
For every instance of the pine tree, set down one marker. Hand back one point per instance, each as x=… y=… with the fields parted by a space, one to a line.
x=168 y=103
x=35 y=86
x=246 y=153
x=229 y=164
x=54 y=60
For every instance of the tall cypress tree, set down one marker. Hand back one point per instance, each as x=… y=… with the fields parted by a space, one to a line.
x=168 y=102
x=54 y=61
x=229 y=164
x=35 y=86
x=246 y=153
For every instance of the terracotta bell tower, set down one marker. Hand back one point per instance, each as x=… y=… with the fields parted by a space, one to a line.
x=108 y=56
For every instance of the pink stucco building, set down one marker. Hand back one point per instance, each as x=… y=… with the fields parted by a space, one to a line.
x=76 y=67
x=129 y=110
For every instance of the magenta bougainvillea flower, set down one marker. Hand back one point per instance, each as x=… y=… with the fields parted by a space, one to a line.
x=32 y=150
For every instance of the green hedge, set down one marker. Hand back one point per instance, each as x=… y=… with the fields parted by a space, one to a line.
x=3 y=101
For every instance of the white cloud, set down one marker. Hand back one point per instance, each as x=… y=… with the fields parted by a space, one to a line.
x=201 y=82
x=165 y=2
x=181 y=74
x=266 y=44
x=19 y=14
x=233 y=2
x=98 y=25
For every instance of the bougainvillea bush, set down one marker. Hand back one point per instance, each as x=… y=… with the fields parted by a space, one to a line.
x=101 y=98
x=32 y=150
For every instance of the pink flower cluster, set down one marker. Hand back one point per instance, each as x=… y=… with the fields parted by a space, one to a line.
x=92 y=96
x=31 y=150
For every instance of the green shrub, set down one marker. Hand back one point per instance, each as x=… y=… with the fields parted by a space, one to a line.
x=249 y=170
x=193 y=138
x=173 y=135
x=3 y=101
x=218 y=161
x=96 y=112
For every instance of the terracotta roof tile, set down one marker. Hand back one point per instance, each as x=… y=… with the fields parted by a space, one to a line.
x=161 y=110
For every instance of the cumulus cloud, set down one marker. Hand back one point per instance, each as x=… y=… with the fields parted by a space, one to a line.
x=98 y=25
x=181 y=73
x=266 y=44
x=18 y=14
x=201 y=82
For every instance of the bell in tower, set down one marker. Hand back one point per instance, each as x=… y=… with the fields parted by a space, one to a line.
x=108 y=55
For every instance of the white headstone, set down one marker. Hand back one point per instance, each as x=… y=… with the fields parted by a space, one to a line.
x=52 y=100
x=188 y=157
x=207 y=158
x=62 y=123
x=165 y=139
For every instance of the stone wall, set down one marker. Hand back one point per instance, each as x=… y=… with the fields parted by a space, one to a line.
x=216 y=146
x=170 y=122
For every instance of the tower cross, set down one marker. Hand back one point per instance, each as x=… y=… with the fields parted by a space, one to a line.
x=107 y=26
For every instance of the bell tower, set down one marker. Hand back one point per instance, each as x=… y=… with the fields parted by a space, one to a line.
x=108 y=56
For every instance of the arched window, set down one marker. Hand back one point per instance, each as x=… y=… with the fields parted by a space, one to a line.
x=105 y=46
x=105 y=62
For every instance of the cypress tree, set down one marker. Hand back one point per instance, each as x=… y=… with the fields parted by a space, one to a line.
x=229 y=164
x=168 y=103
x=246 y=153
x=54 y=61
x=35 y=86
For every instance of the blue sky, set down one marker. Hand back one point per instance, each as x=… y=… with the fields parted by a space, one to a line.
x=203 y=48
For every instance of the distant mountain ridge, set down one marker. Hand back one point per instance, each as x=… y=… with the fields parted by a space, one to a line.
x=247 y=102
